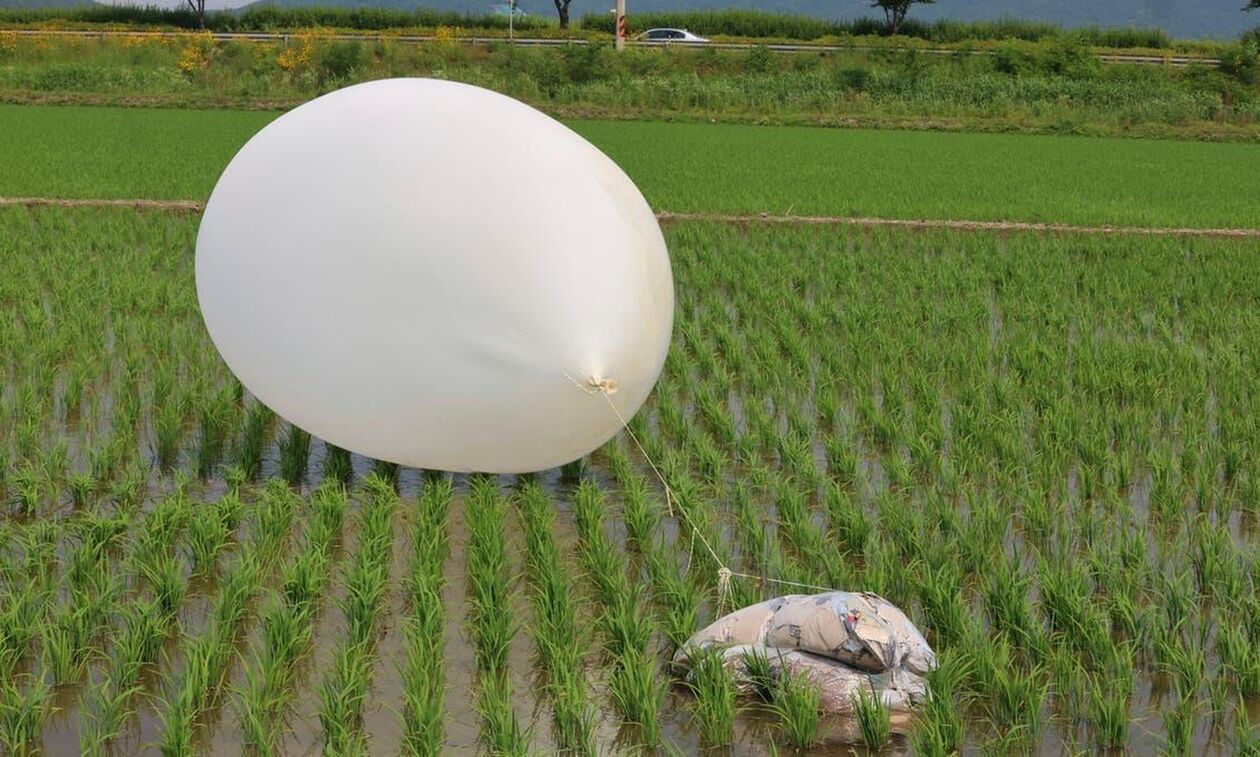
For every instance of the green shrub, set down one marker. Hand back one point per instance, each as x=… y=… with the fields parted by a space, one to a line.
x=339 y=59
x=853 y=78
x=1241 y=62
x=758 y=60
x=1069 y=56
x=1013 y=59
x=583 y=63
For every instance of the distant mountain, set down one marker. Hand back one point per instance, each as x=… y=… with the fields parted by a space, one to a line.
x=1183 y=19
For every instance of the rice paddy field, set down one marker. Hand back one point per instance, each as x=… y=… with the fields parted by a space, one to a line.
x=1043 y=448
x=178 y=154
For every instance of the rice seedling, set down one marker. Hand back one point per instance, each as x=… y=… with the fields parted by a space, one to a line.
x=1071 y=504
x=206 y=658
x=638 y=692
x=795 y=703
x=492 y=626
x=207 y=537
x=716 y=698
x=422 y=674
x=556 y=633
x=1246 y=739
x=295 y=450
x=1179 y=724
x=254 y=438
x=337 y=465
x=1109 y=714
x=287 y=624
x=872 y=715
x=107 y=707
x=501 y=731
x=345 y=686
x=23 y=710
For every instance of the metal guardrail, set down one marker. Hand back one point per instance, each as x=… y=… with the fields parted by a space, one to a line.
x=1145 y=60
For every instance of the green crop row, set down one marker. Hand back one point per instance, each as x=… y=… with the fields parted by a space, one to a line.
x=1043 y=448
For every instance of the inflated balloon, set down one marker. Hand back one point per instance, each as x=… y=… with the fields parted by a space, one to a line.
x=436 y=275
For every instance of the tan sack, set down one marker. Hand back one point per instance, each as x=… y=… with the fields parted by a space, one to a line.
x=861 y=629
x=840 y=625
x=746 y=626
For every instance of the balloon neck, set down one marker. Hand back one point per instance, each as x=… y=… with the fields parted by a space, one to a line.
x=605 y=385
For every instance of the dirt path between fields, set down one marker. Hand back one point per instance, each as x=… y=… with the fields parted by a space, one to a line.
x=942 y=223
x=179 y=206
x=665 y=216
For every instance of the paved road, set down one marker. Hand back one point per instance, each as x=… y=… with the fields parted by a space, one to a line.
x=1150 y=60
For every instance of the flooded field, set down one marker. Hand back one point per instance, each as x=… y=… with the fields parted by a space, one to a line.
x=1043 y=449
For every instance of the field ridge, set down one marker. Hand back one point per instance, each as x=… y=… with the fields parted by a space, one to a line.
x=667 y=216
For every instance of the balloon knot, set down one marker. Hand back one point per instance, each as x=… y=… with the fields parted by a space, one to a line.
x=605 y=385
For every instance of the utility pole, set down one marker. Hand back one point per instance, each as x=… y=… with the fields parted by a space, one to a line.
x=620 y=28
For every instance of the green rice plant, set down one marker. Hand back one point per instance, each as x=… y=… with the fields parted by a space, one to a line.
x=345 y=686
x=108 y=707
x=1109 y=715
x=848 y=522
x=207 y=537
x=1179 y=724
x=287 y=627
x=387 y=472
x=492 y=626
x=872 y=715
x=337 y=465
x=796 y=703
x=66 y=640
x=23 y=711
x=254 y=439
x=556 y=633
x=275 y=511
x=295 y=450
x=501 y=732
x=341 y=698
x=423 y=681
x=940 y=730
x=165 y=576
x=215 y=416
x=1180 y=655
x=716 y=698
x=759 y=673
x=638 y=692
x=82 y=489
x=1246 y=738
x=1240 y=658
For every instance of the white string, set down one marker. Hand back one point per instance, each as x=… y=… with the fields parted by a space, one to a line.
x=724 y=573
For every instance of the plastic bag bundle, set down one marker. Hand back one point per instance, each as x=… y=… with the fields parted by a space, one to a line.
x=841 y=641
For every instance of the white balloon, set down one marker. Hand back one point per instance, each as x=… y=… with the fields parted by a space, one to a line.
x=432 y=274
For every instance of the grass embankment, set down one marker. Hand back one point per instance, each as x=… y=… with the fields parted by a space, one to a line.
x=172 y=154
x=1055 y=86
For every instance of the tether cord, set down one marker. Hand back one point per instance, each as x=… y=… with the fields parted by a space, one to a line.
x=724 y=573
